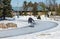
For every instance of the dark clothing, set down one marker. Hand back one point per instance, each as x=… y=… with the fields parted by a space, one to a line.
x=30 y=20
x=47 y=15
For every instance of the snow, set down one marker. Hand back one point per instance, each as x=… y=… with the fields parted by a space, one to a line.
x=24 y=17
x=19 y=23
x=53 y=33
x=38 y=27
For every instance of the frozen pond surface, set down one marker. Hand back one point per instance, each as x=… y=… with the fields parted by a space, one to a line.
x=25 y=29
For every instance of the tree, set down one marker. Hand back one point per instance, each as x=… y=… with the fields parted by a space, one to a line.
x=30 y=4
x=58 y=10
x=6 y=9
x=52 y=4
x=30 y=7
x=25 y=7
x=35 y=9
x=43 y=6
x=1 y=8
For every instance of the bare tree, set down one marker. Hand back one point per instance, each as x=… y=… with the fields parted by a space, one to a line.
x=35 y=9
x=43 y=5
x=30 y=7
x=30 y=4
x=52 y=4
x=25 y=7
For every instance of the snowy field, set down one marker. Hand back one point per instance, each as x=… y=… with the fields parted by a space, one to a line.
x=50 y=26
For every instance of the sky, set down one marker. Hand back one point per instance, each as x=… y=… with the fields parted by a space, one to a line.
x=19 y=3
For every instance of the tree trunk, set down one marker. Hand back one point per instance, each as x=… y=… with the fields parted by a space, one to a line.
x=3 y=14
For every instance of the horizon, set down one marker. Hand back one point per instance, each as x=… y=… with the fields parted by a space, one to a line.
x=14 y=2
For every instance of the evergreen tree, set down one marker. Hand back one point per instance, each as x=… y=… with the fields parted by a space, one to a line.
x=6 y=9
x=1 y=8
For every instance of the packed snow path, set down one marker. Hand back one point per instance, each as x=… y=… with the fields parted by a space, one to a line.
x=40 y=26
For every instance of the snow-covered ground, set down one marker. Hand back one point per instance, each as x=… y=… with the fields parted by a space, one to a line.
x=53 y=33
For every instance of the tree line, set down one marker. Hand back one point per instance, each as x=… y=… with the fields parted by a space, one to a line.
x=34 y=5
x=50 y=5
x=6 y=8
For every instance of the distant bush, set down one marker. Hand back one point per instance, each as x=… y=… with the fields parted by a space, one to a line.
x=25 y=13
x=38 y=17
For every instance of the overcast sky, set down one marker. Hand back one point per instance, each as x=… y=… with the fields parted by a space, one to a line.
x=18 y=3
